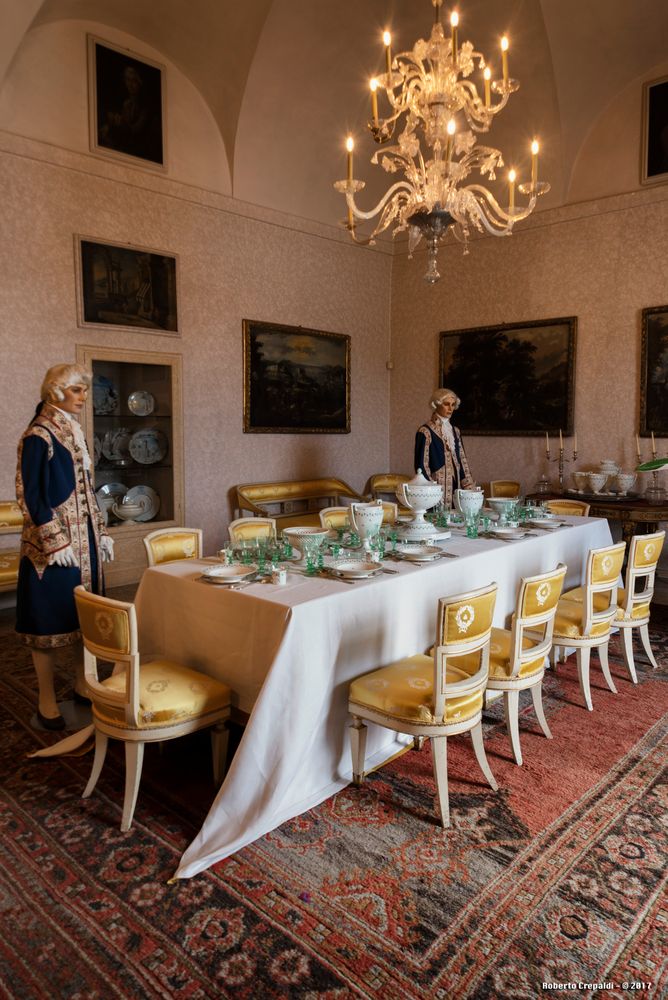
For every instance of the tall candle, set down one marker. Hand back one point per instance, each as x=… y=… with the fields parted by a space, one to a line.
x=547 y=444
x=653 y=446
x=511 y=194
x=561 y=441
x=487 y=74
x=374 y=100
x=350 y=145
x=387 y=42
x=504 y=58
x=451 y=132
x=638 y=447
x=534 y=162
x=575 y=443
x=454 y=21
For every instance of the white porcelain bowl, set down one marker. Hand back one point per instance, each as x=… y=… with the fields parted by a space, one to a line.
x=580 y=480
x=623 y=481
x=299 y=536
x=501 y=505
x=127 y=511
x=597 y=481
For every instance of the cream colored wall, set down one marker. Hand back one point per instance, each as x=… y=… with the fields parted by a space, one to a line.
x=602 y=262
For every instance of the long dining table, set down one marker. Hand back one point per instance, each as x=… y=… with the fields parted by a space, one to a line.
x=290 y=651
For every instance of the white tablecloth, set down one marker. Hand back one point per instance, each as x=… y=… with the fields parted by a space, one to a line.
x=290 y=652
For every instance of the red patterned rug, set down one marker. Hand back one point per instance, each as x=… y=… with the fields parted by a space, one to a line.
x=557 y=878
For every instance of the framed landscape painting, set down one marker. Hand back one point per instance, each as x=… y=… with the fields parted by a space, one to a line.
x=126 y=286
x=654 y=372
x=125 y=103
x=296 y=381
x=654 y=154
x=512 y=379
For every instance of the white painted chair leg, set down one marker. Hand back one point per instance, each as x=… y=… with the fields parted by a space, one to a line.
x=537 y=696
x=439 y=753
x=605 y=666
x=627 y=650
x=511 y=709
x=220 y=736
x=479 y=747
x=101 y=744
x=358 y=733
x=644 y=636
x=582 y=657
x=418 y=742
x=134 y=758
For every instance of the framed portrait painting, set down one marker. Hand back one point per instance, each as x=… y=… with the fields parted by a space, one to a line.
x=125 y=286
x=654 y=372
x=126 y=94
x=654 y=154
x=296 y=381
x=512 y=379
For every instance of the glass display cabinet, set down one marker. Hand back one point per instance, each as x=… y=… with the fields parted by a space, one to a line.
x=133 y=427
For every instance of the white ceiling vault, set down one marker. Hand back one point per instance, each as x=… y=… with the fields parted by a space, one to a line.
x=285 y=80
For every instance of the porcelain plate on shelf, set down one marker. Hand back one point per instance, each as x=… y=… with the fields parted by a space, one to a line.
x=148 y=446
x=141 y=403
x=114 y=490
x=418 y=553
x=148 y=498
x=355 y=569
x=105 y=395
x=229 y=574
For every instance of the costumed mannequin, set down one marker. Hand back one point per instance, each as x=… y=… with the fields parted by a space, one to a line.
x=439 y=451
x=64 y=540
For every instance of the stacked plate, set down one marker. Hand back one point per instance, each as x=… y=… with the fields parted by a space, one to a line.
x=228 y=575
x=355 y=569
x=418 y=553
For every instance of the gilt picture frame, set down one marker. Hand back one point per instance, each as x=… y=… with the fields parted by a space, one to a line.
x=126 y=287
x=126 y=105
x=654 y=148
x=654 y=372
x=296 y=381
x=513 y=379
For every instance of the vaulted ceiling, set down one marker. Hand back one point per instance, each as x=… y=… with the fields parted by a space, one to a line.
x=285 y=80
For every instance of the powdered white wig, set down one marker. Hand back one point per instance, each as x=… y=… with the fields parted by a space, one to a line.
x=440 y=394
x=61 y=377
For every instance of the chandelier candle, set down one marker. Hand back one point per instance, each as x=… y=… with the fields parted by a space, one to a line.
x=442 y=185
x=534 y=162
x=511 y=194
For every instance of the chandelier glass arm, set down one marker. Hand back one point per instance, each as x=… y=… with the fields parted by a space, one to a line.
x=358 y=213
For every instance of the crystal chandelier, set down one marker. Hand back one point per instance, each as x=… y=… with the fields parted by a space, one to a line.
x=430 y=94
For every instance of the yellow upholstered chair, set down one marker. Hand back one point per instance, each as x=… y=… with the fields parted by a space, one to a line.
x=572 y=508
x=335 y=518
x=11 y=523
x=517 y=656
x=144 y=703
x=433 y=696
x=504 y=488
x=384 y=484
x=169 y=544
x=584 y=616
x=250 y=528
x=633 y=600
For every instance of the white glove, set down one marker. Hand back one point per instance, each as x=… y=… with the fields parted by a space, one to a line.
x=64 y=557
x=107 y=548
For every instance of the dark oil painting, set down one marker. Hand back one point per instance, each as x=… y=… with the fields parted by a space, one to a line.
x=127 y=97
x=127 y=286
x=296 y=381
x=654 y=372
x=655 y=131
x=512 y=379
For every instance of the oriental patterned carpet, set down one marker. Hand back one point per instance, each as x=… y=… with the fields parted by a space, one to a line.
x=557 y=878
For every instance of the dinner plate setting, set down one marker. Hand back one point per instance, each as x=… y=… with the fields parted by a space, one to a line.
x=418 y=553
x=507 y=532
x=355 y=569
x=228 y=575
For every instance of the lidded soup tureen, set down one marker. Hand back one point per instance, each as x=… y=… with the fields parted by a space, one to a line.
x=419 y=495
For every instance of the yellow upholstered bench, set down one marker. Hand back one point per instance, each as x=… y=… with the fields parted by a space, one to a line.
x=11 y=523
x=297 y=502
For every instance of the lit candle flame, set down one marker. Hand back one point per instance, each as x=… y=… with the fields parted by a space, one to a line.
x=487 y=74
x=504 y=58
x=387 y=42
x=534 y=162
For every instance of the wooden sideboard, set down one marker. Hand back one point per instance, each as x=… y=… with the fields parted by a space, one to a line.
x=635 y=513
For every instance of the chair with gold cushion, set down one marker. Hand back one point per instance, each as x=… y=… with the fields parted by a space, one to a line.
x=249 y=528
x=169 y=544
x=504 y=488
x=584 y=617
x=433 y=697
x=11 y=523
x=517 y=656
x=568 y=508
x=633 y=604
x=142 y=703
x=384 y=484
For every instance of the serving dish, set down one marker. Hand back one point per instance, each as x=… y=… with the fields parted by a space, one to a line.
x=147 y=498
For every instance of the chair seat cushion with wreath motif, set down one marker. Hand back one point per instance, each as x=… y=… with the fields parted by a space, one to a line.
x=405 y=690
x=600 y=603
x=168 y=693
x=568 y=621
x=499 y=656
